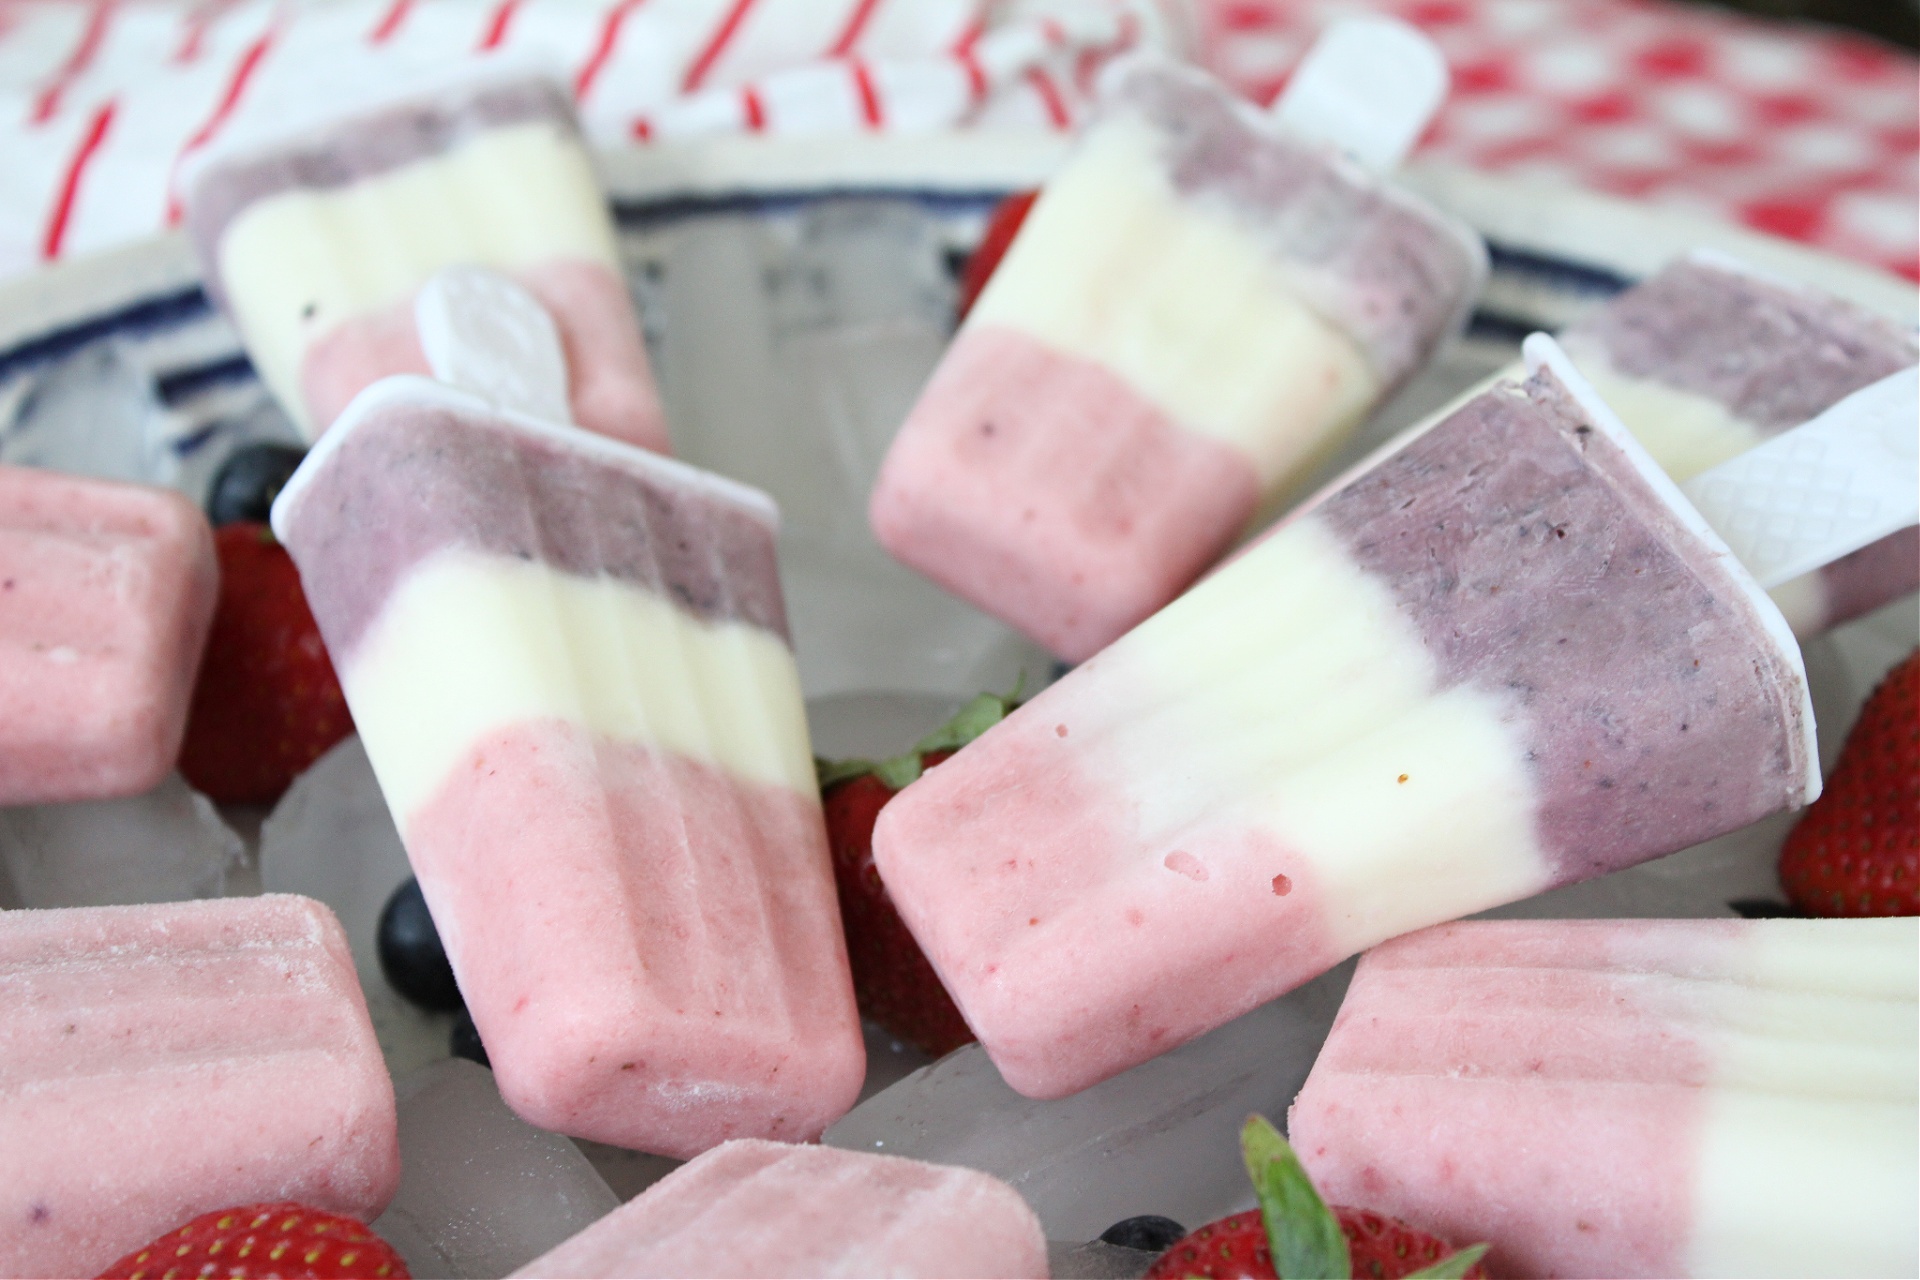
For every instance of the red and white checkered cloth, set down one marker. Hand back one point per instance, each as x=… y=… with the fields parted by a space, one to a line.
x=1798 y=131
x=1801 y=131
x=102 y=100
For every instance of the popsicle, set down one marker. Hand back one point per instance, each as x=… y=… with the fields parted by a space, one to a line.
x=162 y=1061
x=316 y=244
x=1708 y=358
x=568 y=661
x=1201 y=305
x=1633 y=1097
x=106 y=594
x=1507 y=656
x=752 y=1208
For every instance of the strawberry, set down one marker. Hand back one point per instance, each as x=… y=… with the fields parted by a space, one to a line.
x=893 y=983
x=267 y=704
x=1310 y=1239
x=264 y=1240
x=1856 y=850
x=1002 y=227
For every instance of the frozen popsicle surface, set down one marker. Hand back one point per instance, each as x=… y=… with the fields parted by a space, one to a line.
x=1196 y=311
x=1706 y=359
x=1633 y=1098
x=568 y=661
x=317 y=245
x=159 y=1062
x=752 y=1208
x=1497 y=661
x=106 y=594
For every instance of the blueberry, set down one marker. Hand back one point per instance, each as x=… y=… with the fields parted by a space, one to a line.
x=465 y=1040
x=410 y=952
x=249 y=480
x=1149 y=1233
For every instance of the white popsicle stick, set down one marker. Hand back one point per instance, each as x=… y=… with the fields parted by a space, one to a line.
x=1824 y=489
x=1368 y=86
x=485 y=334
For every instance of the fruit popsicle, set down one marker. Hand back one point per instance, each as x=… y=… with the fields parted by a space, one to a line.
x=569 y=663
x=752 y=1208
x=316 y=246
x=1508 y=656
x=1199 y=308
x=158 y=1062
x=1706 y=359
x=106 y=595
x=1633 y=1097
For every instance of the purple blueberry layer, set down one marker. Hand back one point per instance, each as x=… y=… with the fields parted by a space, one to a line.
x=1540 y=567
x=361 y=146
x=1390 y=270
x=420 y=478
x=1772 y=355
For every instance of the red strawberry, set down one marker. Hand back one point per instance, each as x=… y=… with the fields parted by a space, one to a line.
x=893 y=983
x=1314 y=1240
x=267 y=704
x=1002 y=227
x=1856 y=850
x=257 y=1241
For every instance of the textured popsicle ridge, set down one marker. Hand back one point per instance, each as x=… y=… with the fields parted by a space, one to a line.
x=1773 y=356
x=1654 y=1098
x=159 y=1062
x=361 y=146
x=1392 y=271
x=106 y=595
x=433 y=479
x=1539 y=566
x=754 y=1208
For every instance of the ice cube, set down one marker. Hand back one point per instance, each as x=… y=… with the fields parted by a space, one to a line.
x=828 y=325
x=165 y=846
x=1162 y=1138
x=1096 y=1260
x=482 y=1192
x=331 y=838
x=93 y=413
x=627 y=1172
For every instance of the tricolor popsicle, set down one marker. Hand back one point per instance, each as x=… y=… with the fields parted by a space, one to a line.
x=106 y=595
x=770 y=1209
x=1633 y=1098
x=1505 y=657
x=1707 y=358
x=316 y=245
x=160 y=1062
x=569 y=663
x=1198 y=309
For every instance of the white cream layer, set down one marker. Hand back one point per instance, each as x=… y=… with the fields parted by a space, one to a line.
x=1299 y=704
x=469 y=643
x=1813 y=1113
x=1112 y=266
x=507 y=198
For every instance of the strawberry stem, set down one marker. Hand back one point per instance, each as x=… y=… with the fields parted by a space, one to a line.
x=979 y=715
x=1305 y=1237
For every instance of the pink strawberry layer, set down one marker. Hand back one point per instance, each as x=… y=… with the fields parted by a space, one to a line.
x=106 y=594
x=1039 y=894
x=612 y=389
x=1524 y=1084
x=649 y=946
x=1043 y=489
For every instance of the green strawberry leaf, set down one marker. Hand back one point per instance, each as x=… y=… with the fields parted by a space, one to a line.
x=972 y=720
x=1304 y=1235
x=1451 y=1267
